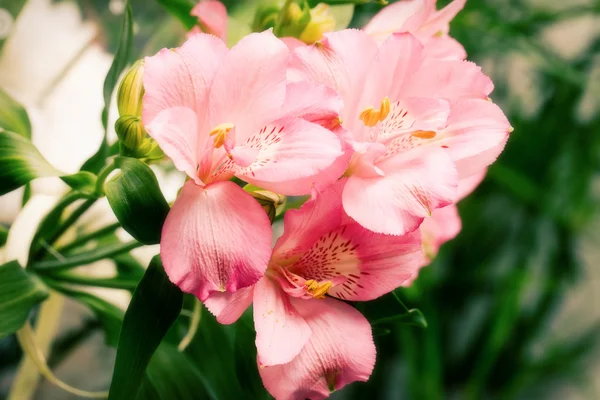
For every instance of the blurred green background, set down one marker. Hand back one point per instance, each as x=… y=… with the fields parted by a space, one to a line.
x=511 y=303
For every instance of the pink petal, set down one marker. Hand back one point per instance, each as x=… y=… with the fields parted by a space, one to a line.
x=212 y=16
x=467 y=185
x=281 y=332
x=176 y=132
x=440 y=20
x=444 y=48
x=393 y=17
x=303 y=227
x=292 y=43
x=181 y=77
x=290 y=149
x=414 y=114
x=228 y=307
x=249 y=89
x=330 y=360
x=476 y=133
x=340 y=61
x=215 y=239
x=443 y=225
x=411 y=189
x=448 y=79
x=398 y=59
x=313 y=102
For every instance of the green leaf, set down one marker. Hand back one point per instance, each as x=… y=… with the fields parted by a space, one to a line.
x=412 y=317
x=136 y=200
x=83 y=181
x=20 y=162
x=13 y=116
x=212 y=345
x=19 y=292
x=108 y=314
x=3 y=235
x=180 y=9
x=154 y=307
x=171 y=375
x=120 y=61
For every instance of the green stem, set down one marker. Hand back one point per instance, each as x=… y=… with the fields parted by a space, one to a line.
x=71 y=220
x=67 y=200
x=102 y=175
x=86 y=257
x=110 y=283
x=90 y=236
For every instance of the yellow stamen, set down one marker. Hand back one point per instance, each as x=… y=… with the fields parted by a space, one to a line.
x=220 y=133
x=370 y=116
x=423 y=134
x=317 y=289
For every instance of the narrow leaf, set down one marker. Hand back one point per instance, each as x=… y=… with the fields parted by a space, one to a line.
x=19 y=292
x=171 y=375
x=136 y=200
x=109 y=315
x=20 y=162
x=180 y=9
x=120 y=61
x=155 y=305
x=13 y=116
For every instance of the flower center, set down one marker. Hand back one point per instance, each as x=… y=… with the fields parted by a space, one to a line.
x=220 y=133
x=370 y=116
x=317 y=289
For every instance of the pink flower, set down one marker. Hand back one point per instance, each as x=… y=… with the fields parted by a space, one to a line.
x=420 y=18
x=212 y=18
x=218 y=113
x=415 y=125
x=299 y=331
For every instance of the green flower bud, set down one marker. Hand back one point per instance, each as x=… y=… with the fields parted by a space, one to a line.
x=294 y=19
x=321 y=21
x=131 y=91
x=272 y=203
x=266 y=17
x=130 y=131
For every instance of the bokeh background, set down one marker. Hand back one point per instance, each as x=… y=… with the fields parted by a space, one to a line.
x=512 y=304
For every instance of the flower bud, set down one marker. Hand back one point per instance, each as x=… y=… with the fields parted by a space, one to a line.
x=266 y=17
x=294 y=19
x=130 y=131
x=272 y=203
x=321 y=21
x=131 y=91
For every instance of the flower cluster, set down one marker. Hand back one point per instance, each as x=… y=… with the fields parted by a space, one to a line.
x=385 y=128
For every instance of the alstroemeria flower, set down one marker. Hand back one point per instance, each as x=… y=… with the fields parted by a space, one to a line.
x=322 y=255
x=212 y=18
x=218 y=113
x=424 y=21
x=415 y=125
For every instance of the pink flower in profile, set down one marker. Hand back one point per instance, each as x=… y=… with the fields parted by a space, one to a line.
x=415 y=125
x=212 y=18
x=218 y=113
x=424 y=21
x=301 y=327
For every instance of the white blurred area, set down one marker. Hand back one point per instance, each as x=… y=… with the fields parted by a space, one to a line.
x=56 y=70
